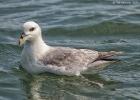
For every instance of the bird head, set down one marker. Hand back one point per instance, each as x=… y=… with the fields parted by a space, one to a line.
x=31 y=31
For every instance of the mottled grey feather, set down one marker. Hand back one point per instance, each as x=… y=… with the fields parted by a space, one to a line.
x=69 y=57
x=75 y=59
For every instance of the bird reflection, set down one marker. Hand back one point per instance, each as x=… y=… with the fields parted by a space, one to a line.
x=52 y=87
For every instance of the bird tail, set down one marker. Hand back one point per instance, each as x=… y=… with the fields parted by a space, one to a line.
x=107 y=55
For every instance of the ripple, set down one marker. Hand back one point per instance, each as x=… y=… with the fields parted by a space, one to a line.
x=92 y=24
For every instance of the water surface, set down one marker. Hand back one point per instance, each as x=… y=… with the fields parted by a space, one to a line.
x=100 y=24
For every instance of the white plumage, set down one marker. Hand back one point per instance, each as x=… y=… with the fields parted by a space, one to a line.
x=38 y=57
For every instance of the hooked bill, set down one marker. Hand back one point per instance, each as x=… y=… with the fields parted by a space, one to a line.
x=21 y=40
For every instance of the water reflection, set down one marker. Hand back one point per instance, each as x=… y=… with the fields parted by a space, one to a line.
x=52 y=87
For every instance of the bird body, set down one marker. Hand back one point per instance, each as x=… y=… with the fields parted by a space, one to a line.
x=38 y=57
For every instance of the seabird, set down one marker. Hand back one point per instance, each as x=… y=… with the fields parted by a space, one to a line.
x=38 y=57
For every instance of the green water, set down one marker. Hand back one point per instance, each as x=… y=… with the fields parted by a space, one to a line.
x=93 y=24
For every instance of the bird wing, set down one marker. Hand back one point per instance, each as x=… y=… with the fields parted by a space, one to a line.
x=69 y=57
x=70 y=61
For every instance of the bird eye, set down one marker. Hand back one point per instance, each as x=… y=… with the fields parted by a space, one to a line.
x=31 y=29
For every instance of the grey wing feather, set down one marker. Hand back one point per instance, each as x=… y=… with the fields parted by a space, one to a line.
x=106 y=55
x=74 y=60
x=69 y=57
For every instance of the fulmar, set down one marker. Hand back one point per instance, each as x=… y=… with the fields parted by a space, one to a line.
x=38 y=57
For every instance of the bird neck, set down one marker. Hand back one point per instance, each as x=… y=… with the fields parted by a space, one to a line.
x=37 y=47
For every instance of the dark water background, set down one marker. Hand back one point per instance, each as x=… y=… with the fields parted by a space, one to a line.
x=95 y=24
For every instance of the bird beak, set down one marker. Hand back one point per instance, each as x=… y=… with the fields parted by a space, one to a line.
x=22 y=39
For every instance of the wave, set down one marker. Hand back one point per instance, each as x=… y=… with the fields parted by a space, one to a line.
x=104 y=28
